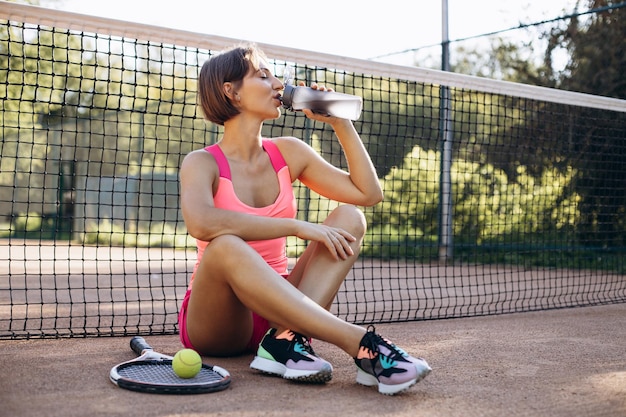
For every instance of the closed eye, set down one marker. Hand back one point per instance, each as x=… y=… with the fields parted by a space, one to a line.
x=264 y=73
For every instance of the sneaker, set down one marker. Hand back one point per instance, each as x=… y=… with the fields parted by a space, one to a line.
x=290 y=355
x=383 y=364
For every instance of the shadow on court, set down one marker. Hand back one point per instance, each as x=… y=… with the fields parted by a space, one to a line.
x=569 y=362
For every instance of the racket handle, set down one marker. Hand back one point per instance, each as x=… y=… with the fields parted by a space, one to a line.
x=139 y=345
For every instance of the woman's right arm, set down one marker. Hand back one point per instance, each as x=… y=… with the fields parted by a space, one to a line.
x=199 y=176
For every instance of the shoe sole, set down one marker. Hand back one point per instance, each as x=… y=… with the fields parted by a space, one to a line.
x=368 y=380
x=275 y=368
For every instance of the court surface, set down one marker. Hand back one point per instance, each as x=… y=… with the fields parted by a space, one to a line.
x=568 y=362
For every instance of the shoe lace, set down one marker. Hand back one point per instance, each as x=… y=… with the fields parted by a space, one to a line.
x=304 y=343
x=374 y=341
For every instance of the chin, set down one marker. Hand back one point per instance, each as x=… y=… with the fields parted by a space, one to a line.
x=277 y=114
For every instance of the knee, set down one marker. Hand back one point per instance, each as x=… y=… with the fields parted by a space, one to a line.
x=225 y=248
x=350 y=218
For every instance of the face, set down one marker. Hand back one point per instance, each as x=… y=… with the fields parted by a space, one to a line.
x=260 y=92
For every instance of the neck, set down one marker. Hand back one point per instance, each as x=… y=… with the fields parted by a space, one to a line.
x=240 y=140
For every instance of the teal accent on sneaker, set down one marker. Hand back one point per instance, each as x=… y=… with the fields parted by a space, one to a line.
x=381 y=363
x=291 y=356
x=387 y=363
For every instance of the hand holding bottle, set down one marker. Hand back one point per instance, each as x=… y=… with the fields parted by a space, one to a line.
x=332 y=103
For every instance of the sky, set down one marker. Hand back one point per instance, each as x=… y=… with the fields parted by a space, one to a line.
x=363 y=29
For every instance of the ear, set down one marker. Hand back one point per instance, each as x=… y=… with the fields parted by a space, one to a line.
x=229 y=90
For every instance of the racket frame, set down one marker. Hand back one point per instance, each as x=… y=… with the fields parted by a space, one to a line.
x=150 y=357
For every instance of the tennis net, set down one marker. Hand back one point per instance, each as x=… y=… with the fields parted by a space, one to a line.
x=499 y=197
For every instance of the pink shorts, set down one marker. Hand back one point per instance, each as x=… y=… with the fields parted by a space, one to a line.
x=260 y=327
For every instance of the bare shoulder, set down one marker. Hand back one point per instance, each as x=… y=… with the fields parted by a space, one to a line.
x=298 y=155
x=199 y=160
x=198 y=156
x=292 y=147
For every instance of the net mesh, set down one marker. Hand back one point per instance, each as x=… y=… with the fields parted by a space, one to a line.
x=95 y=123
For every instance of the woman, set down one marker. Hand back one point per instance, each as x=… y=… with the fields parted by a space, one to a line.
x=237 y=202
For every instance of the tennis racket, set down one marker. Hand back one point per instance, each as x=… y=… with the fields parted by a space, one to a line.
x=152 y=372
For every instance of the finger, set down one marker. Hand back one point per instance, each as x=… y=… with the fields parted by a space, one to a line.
x=324 y=118
x=332 y=248
x=315 y=116
x=346 y=235
x=342 y=246
x=346 y=249
x=336 y=245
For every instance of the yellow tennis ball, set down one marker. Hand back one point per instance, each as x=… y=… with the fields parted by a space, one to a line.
x=186 y=363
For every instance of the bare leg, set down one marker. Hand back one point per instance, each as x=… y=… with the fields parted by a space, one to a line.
x=233 y=279
x=317 y=274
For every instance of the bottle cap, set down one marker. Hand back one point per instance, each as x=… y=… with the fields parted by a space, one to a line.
x=287 y=97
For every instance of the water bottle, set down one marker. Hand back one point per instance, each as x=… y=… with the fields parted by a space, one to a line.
x=331 y=103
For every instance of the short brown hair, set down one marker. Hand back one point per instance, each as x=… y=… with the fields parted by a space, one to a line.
x=231 y=65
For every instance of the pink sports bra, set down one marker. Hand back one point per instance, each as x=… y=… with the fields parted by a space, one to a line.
x=273 y=250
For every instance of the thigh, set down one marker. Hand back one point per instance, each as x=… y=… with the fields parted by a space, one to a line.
x=217 y=322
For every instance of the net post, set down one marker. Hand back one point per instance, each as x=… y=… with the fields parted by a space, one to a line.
x=445 y=122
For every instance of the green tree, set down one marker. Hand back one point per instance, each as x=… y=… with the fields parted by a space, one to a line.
x=590 y=142
x=597 y=65
x=597 y=51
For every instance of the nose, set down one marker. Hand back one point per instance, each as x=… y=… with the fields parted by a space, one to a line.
x=278 y=85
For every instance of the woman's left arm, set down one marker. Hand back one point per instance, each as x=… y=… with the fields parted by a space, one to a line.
x=358 y=186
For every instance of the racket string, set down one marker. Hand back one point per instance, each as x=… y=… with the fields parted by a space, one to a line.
x=163 y=374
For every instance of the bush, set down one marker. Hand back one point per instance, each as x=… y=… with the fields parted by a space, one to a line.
x=488 y=207
x=27 y=222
